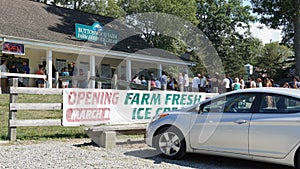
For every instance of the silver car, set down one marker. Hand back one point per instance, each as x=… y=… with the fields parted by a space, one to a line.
x=260 y=124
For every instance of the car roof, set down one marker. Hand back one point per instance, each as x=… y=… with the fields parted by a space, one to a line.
x=273 y=90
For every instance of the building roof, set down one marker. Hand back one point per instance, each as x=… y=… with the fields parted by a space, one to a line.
x=37 y=21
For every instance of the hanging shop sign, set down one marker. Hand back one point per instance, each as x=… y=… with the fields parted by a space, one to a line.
x=96 y=33
x=107 y=106
x=13 y=48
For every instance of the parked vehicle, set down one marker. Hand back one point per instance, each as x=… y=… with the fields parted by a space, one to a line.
x=260 y=124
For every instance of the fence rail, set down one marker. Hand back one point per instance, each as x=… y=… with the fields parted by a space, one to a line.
x=14 y=107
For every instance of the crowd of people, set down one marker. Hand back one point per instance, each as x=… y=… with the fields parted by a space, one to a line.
x=207 y=83
x=67 y=81
x=180 y=82
x=7 y=81
x=236 y=83
x=165 y=82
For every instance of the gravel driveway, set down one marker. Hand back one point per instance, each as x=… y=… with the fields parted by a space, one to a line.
x=80 y=153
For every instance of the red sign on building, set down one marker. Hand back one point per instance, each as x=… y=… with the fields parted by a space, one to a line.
x=13 y=48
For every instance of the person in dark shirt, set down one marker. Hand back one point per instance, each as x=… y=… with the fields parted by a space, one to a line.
x=25 y=70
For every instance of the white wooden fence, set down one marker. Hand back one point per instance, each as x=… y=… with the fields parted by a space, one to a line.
x=14 y=106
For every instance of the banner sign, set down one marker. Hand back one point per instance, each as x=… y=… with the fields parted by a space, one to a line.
x=99 y=106
x=96 y=33
x=13 y=48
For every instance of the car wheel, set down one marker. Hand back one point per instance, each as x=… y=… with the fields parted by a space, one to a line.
x=170 y=143
x=297 y=160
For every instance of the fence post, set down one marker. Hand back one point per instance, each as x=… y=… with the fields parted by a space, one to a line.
x=12 y=131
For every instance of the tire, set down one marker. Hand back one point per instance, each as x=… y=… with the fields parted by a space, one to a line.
x=297 y=160
x=170 y=143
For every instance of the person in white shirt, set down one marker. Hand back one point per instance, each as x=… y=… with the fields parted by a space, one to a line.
x=252 y=83
x=164 y=81
x=195 y=83
x=186 y=82
x=242 y=82
x=136 y=79
x=226 y=83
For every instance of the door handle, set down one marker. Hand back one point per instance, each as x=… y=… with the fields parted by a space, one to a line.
x=241 y=121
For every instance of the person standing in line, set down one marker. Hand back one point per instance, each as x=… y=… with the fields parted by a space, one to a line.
x=236 y=85
x=13 y=69
x=65 y=83
x=242 y=82
x=152 y=82
x=4 y=79
x=26 y=70
x=226 y=83
x=40 y=81
x=195 y=83
x=252 y=83
x=164 y=80
x=230 y=82
x=215 y=80
x=202 y=83
x=143 y=80
x=209 y=84
x=180 y=82
x=268 y=83
x=296 y=82
x=286 y=85
x=136 y=79
x=259 y=82
x=157 y=83
x=171 y=83
x=73 y=72
x=186 y=82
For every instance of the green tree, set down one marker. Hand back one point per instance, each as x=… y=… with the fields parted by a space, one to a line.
x=109 y=8
x=284 y=15
x=185 y=9
x=274 y=59
x=223 y=21
x=156 y=21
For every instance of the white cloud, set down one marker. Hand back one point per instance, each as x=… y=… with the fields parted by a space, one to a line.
x=265 y=34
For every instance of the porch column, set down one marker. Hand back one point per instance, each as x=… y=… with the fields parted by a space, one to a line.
x=159 y=70
x=128 y=69
x=93 y=72
x=49 y=65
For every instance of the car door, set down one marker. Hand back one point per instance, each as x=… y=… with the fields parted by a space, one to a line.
x=274 y=128
x=223 y=124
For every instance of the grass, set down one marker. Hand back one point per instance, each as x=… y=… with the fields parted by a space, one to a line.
x=36 y=133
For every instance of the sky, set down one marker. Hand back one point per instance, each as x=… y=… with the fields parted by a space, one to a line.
x=266 y=34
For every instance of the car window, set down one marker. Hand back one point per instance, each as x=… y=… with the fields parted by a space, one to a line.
x=272 y=103
x=236 y=103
